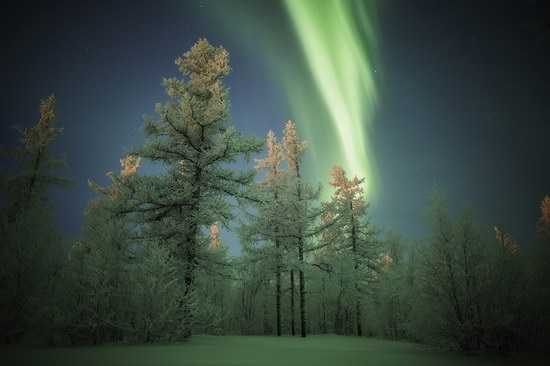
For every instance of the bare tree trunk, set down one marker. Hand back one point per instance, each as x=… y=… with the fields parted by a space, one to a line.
x=190 y=258
x=337 y=316
x=302 y=290
x=323 y=307
x=292 y=320
x=186 y=308
x=264 y=306
x=359 y=318
x=278 y=285
x=189 y=282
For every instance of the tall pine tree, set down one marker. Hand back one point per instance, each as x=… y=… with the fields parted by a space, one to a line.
x=194 y=141
x=30 y=248
x=356 y=234
x=299 y=197
x=265 y=226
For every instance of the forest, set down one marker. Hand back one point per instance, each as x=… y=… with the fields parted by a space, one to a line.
x=150 y=265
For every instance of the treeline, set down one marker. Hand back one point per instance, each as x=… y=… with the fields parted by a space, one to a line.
x=465 y=288
x=150 y=265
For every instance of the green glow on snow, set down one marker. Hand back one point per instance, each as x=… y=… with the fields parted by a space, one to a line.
x=337 y=40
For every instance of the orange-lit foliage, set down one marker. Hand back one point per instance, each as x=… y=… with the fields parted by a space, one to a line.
x=347 y=190
x=130 y=166
x=385 y=261
x=344 y=186
x=292 y=147
x=545 y=212
x=204 y=64
x=215 y=242
x=273 y=160
x=506 y=242
x=39 y=136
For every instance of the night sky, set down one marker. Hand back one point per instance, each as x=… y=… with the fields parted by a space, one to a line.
x=406 y=93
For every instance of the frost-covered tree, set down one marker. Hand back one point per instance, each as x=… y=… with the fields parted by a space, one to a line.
x=391 y=295
x=35 y=166
x=272 y=183
x=194 y=141
x=284 y=221
x=475 y=289
x=355 y=235
x=451 y=278
x=97 y=265
x=30 y=248
x=213 y=287
x=251 y=277
x=261 y=235
x=151 y=310
x=301 y=214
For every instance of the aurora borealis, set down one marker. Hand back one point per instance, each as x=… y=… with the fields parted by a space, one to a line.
x=337 y=38
x=407 y=94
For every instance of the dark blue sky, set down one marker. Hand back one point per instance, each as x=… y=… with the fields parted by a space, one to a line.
x=463 y=93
